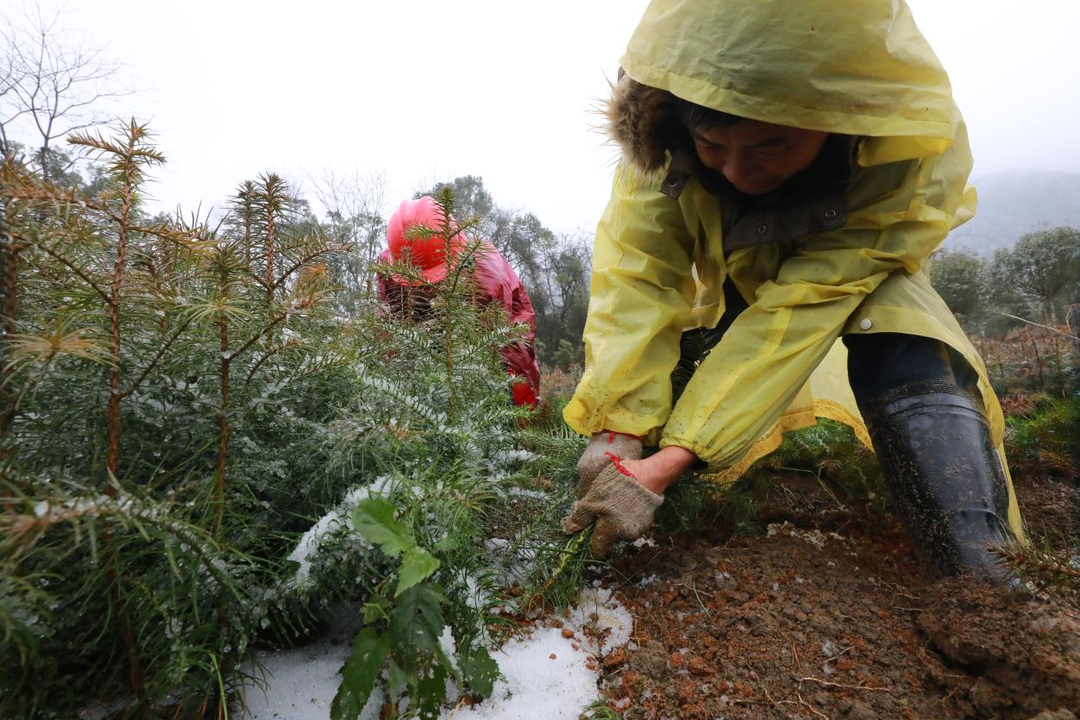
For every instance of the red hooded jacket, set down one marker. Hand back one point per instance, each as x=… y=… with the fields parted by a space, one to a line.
x=495 y=281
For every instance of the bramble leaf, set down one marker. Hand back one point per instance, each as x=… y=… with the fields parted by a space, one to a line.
x=431 y=691
x=378 y=608
x=359 y=675
x=374 y=519
x=479 y=671
x=416 y=566
x=397 y=677
x=417 y=621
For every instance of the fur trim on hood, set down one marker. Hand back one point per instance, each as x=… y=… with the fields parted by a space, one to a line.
x=644 y=123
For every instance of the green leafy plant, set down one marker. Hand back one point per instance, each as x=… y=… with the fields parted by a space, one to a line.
x=403 y=624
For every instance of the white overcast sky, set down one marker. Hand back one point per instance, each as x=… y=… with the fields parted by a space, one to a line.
x=424 y=91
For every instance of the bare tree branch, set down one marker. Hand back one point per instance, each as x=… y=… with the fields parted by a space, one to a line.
x=51 y=84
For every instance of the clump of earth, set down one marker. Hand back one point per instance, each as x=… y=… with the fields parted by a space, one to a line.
x=826 y=614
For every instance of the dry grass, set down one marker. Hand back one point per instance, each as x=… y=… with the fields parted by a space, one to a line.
x=559 y=384
x=1031 y=360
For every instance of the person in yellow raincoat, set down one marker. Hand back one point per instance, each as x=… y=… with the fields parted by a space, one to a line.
x=787 y=170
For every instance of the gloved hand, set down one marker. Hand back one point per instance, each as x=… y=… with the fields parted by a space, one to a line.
x=599 y=453
x=621 y=507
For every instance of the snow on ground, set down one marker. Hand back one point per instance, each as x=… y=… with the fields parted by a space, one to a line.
x=301 y=681
x=612 y=625
x=545 y=674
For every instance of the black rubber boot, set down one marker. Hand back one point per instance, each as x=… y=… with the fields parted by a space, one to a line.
x=946 y=479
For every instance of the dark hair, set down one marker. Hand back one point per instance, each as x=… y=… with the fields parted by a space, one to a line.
x=698 y=117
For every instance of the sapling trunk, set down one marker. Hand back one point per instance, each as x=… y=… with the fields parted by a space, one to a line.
x=223 y=410
x=270 y=239
x=574 y=551
x=1038 y=358
x=449 y=341
x=113 y=416
x=9 y=252
x=129 y=172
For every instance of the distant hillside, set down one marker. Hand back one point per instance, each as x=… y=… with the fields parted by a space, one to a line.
x=1017 y=202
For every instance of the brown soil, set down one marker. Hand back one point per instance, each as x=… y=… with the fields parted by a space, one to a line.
x=828 y=616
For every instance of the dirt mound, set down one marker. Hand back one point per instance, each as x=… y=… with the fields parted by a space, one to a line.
x=826 y=615
x=1026 y=652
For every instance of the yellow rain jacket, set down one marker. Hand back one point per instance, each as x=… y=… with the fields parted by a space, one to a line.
x=858 y=68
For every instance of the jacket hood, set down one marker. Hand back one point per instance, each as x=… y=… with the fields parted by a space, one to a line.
x=854 y=67
x=642 y=121
x=412 y=231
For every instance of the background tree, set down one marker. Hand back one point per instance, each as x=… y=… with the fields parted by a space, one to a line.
x=960 y=277
x=1044 y=267
x=354 y=207
x=554 y=268
x=52 y=84
x=565 y=274
x=471 y=199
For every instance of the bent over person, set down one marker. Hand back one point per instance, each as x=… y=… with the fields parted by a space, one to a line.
x=787 y=170
x=494 y=281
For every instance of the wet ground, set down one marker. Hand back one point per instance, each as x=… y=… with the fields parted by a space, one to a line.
x=825 y=614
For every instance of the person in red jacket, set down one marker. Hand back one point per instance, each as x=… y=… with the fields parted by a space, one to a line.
x=495 y=281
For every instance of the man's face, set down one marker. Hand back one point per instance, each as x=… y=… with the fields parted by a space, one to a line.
x=757 y=157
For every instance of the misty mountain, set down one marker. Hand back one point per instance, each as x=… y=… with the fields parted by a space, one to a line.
x=1017 y=202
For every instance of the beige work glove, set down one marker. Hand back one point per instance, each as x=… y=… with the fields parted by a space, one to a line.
x=598 y=455
x=621 y=507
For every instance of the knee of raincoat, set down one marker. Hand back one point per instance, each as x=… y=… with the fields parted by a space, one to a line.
x=907 y=303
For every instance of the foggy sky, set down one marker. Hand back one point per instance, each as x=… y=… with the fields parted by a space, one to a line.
x=426 y=91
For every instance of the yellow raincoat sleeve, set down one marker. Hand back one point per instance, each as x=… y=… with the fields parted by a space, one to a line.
x=640 y=302
x=899 y=213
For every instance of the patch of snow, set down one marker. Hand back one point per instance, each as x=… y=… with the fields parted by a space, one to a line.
x=543 y=676
x=509 y=456
x=525 y=492
x=102 y=503
x=515 y=568
x=612 y=624
x=815 y=537
x=337 y=519
x=301 y=682
x=478 y=597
